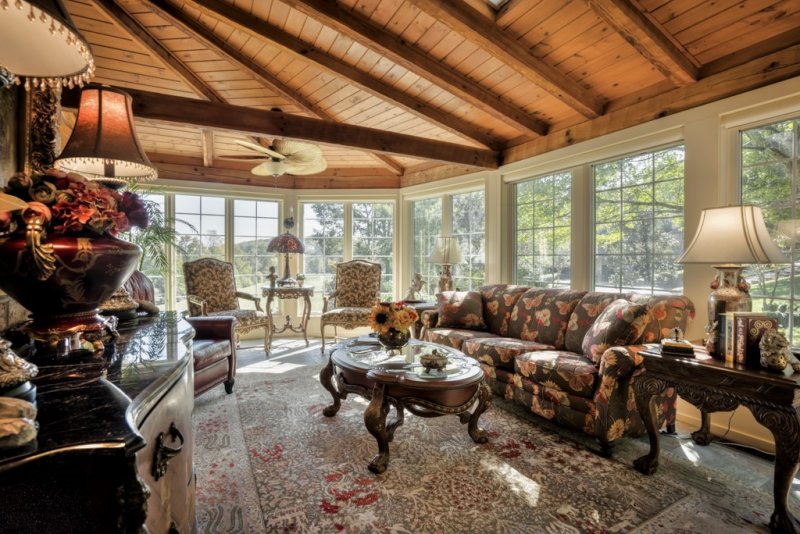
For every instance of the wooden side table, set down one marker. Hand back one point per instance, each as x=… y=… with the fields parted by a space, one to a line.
x=288 y=292
x=714 y=386
x=419 y=307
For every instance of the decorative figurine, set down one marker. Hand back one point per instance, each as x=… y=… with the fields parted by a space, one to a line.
x=433 y=362
x=272 y=276
x=415 y=288
x=775 y=353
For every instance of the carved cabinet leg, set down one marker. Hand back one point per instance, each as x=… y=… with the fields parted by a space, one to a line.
x=645 y=389
x=785 y=428
x=375 y=421
x=326 y=379
x=703 y=436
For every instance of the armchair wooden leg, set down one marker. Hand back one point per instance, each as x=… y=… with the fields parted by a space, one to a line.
x=229 y=386
x=322 y=332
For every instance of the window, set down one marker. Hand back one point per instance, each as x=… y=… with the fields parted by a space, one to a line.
x=469 y=227
x=206 y=239
x=543 y=231
x=427 y=222
x=255 y=223
x=638 y=222
x=373 y=238
x=323 y=236
x=769 y=179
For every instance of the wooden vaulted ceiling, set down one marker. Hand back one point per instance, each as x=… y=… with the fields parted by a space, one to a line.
x=398 y=92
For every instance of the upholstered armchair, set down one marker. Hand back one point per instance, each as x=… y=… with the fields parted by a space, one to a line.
x=214 y=351
x=358 y=286
x=211 y=291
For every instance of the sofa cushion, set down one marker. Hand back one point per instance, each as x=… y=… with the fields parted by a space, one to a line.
x=460 y=309
x=498 y=303
x=585 y=314
x=453 y=337
x=556 y=369
x=500 y=351
x=666 y=312
x=209 y=351
x=542 y=315
x=621 y=323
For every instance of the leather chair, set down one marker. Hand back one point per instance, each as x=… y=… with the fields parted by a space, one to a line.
x=358 y=288
x=214 y=349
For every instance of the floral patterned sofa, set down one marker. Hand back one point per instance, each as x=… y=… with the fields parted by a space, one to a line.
x=568 y=356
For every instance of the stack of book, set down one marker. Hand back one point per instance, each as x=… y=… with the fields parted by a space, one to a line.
x=739 y=334
x=680 y=348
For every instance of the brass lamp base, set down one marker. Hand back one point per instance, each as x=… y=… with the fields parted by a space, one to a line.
x=445 y=279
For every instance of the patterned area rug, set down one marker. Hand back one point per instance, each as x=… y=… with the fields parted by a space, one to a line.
x=267 y=460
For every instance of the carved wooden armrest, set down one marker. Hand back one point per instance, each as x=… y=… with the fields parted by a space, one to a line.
x=327 y=298
x=197 y=301
x=248 y=296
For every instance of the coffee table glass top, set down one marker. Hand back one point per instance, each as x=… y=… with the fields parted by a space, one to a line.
x=361 y=354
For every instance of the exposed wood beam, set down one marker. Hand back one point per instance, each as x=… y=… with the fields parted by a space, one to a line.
x=144 y=38
x=648 y=39
x=243 y=19
x=187 y=168
x=752 y=75
x=476 y=28
x=207 y=138
x=199 y=31
x=394 y=48
x=274 y=123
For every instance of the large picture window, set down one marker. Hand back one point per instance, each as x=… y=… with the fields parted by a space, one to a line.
x=205 y=238
x=255 y=223
x=427 y=222
x=373 y=239
x=543 y=231
x=469 y=227
x=323 y=236
x=769 y=179
x=638 y=222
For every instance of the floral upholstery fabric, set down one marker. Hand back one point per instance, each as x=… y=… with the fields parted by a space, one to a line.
x=498 y=303
x=453 y=337
x=358 y=284
x=666 y=312
x=500 y=351
x=211 y=280
x=559 y=370
x=621 y=323
x=542 y=315
x=585 y=314
x=347 y=316
x=460 y=309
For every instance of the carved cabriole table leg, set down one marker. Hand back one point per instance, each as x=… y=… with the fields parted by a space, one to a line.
x=375 y=421
x=645 y=389
x=478 y=434
x=326 y=379
x=702 y=436
x=785 y=428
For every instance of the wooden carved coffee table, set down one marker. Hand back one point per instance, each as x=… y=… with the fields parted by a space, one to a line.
x=397 y=379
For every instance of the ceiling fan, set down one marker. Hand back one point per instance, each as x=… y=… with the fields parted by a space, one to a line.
x=284 y=157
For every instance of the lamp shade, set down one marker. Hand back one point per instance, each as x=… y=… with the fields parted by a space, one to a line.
x=41 y=45
x=287 y=243
x=446 y=251
x=732 y=235
x=103 y=145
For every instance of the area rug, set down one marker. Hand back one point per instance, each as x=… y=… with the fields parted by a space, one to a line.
x=268 y=460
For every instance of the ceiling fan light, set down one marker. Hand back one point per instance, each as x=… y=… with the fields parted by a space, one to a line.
x=270 y=168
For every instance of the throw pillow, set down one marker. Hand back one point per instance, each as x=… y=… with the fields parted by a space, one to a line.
x=460 y=309
x=621 y=323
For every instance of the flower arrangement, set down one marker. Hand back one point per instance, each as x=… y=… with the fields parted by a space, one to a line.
x=385 y=316
x=69 y=203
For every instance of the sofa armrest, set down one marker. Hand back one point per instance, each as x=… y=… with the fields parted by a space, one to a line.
x=429 y=318
x=615 y=401
x=215 y=327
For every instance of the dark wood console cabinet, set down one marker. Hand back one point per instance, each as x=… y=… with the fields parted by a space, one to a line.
x=114 y=453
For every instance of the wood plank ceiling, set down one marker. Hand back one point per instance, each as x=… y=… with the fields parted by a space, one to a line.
x=399 y=92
